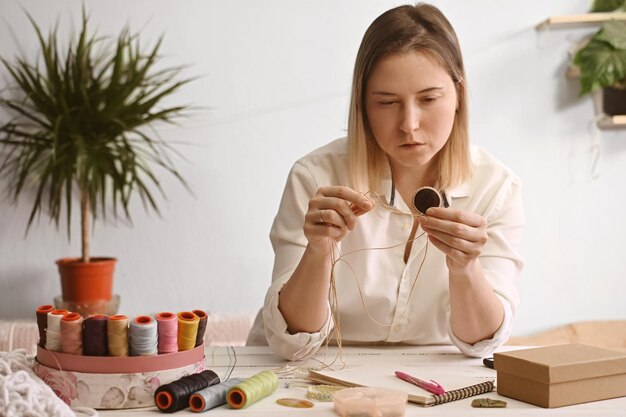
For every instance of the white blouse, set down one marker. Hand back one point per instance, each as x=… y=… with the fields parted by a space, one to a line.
x=406 y=307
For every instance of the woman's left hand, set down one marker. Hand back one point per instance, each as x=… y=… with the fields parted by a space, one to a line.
x=461 y=235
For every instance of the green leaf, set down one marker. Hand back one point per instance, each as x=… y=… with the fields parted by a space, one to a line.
x=600 y=65
x=606 y=5
x=78 y=123
x=614 y=33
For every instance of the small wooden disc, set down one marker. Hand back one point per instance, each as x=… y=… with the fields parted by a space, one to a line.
x=294 y=402
x=425 y=198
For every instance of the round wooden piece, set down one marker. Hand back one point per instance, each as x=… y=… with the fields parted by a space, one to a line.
x=294 y=402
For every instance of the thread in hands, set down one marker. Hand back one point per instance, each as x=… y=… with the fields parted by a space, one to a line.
x=213 y=396
x=143 y=336
x=72 y=334
x=423 y=199
x=53 y=331
x=252 y=389
x=175 y=395
x=187 y=330
x=117 y=335
x=202 y=316
x=42 y=322
x=167 y=326
x=95 y=335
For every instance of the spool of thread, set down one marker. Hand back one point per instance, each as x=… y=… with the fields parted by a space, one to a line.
x=53 y=330
x=143 y=336
x=167 y=326
x=252 y=390
x=187 y=330
x=212 y=396
x=72 y=334
x=95 y=335
x=202 y=316
x=42 y=322
x=175 y=395
x=117 y=335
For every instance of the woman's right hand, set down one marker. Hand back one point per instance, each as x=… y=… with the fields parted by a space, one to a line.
x=332 y=213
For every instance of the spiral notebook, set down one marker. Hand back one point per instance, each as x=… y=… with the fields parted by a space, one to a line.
x=459 y=383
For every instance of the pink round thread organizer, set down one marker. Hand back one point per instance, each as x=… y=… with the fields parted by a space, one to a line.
x=109 y=382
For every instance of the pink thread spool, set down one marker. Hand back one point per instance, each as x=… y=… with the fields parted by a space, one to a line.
x=167 y=327
x=72 y=334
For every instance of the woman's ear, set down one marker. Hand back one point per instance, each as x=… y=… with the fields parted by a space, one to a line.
x=460 y=89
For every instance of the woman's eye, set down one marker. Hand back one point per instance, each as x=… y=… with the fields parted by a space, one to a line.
x=429 y=100
x=387 y=102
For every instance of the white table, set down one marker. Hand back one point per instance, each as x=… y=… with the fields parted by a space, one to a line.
x=251 y=360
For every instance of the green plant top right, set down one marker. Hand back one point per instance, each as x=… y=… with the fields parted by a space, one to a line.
x=602 y=58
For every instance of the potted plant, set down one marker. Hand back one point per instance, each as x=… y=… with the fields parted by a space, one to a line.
x=602 y=60
x=82 y=126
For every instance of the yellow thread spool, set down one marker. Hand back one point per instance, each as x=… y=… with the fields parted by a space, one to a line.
x=187 y=330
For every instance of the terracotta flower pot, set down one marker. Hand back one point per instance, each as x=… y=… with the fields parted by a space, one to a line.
x=86 y=282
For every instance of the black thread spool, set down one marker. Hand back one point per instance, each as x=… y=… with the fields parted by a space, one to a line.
x=175 y=395
x=425 y=198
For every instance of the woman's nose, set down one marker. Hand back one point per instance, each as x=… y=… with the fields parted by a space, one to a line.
x=410 y=118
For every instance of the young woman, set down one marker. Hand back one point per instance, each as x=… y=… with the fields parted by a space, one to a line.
x=446 y=276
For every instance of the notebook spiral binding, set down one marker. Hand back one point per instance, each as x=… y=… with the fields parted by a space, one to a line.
x=461 y=393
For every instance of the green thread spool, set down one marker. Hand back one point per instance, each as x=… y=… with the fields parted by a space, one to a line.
x=252 y=390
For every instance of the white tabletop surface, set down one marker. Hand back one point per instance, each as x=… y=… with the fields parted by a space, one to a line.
x=251 y=360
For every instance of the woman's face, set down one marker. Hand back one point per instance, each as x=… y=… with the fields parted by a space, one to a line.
x=410 y=102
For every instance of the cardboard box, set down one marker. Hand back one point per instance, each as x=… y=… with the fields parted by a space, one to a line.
x=555 y=376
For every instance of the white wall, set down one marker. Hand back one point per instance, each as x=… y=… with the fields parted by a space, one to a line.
x=275 y=82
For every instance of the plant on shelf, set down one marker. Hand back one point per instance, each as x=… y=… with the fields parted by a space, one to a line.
x=82 y=125
x=602 y=59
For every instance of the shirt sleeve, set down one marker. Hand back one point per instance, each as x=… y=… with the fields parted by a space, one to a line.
x=501 y=262
x=487 y=347
x=288 y=241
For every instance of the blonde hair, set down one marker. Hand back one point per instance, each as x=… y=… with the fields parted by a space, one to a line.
x=425 y=29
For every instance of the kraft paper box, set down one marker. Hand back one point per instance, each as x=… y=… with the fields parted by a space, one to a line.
x=555 y=376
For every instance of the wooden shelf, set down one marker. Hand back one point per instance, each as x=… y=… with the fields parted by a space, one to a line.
x=603 y=121
x=580 y=19
x=612 y=122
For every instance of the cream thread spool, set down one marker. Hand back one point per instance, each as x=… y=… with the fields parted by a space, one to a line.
x=53 y=331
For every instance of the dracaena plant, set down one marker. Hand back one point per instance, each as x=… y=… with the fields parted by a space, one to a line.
x=602 y=59
x=82 y=124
